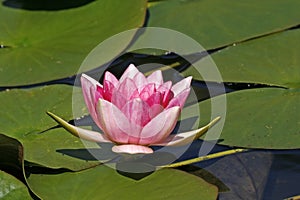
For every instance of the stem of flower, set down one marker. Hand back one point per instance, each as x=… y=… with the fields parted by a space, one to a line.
x=202 y=158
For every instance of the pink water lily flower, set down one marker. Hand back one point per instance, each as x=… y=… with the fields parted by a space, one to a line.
x=134 y=112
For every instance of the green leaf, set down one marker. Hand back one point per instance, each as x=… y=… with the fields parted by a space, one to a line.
x=104 y=183
x=259 y=118
x=266 y=117
x=216 y=23
x=12 y=188
x=272 y=60
x=23 y=116
x=206 y=175
x=47 y=45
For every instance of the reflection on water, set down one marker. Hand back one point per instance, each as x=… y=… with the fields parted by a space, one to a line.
x=284 y=176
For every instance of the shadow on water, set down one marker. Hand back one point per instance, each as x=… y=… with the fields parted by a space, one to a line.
x=45 y=4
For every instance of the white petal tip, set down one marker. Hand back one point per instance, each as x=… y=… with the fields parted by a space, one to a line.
x=132 y=149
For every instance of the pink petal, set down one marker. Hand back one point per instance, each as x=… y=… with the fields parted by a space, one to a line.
x=127 y=88
x=147 y=91
x=140 y=80
x=166 y=92
x=155 y=109
x=111 y=78
x=181 y=85
x=132 y=149
x=90 y=93
x=167 y=97
x=178 y=139
x=98 y=93
x=130 y=72
x=165 y=87
x=180 y=99
x=137 y=111
x=155 y=98
x=156 y=77
x=116 y=126
x=160 y=126
x=118 y=100
x=186 y=137
x=108 y=89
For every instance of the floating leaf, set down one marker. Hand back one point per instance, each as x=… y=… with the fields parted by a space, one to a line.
x=272 y=60
x=216 y=23
x=260 y=118
x=104 y=183
x=23 y=116
x=47 y=45
x=12 y=188
x=266 y=117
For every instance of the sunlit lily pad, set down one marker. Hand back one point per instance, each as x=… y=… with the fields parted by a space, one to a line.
x=12 y=188
x=266 y=117
x=260 y=118
x=23 y=116
x=272 y=60
x=215 y=23
x=47 y=45
x=104 y=183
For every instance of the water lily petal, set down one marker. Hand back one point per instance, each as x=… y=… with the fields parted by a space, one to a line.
x=180 y=99
x=116 y=125
x=155 y=109
x=80 y=132
x=130 y=72
x=111 y=78
x=132 y=149
x=160 y=126
x=108 y=89
x=165 y=86
x=155 y=98
x=140 y=80
x=91 y=91
x=186 y=137
x=147 y=91
x=126 y=88
x=166 y=92
x=137 y=111
x=156 y=78
x=118 y=100
x=181 y=85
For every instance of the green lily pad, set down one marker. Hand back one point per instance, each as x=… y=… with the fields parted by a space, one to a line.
x=23 y=117
x=104 y=183
x=272 y=60
x=12 y=188
x=259 y=118
x=266 y=117
x=47 y=45
x=216 y=23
